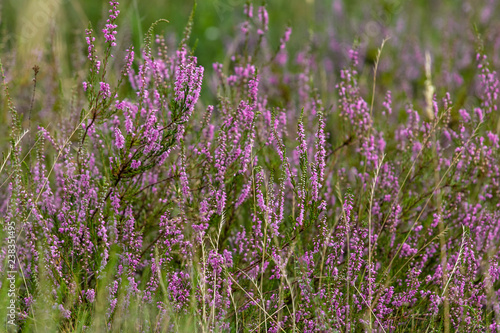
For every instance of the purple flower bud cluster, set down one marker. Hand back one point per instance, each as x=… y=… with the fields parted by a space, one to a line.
x=110 y=30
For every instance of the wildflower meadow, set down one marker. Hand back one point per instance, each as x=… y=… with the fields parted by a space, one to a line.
x=234 y=166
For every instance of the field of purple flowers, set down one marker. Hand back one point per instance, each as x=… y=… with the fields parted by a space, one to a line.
x=344 y=186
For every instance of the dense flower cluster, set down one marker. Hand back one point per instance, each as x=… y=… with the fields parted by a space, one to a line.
x=282 y=204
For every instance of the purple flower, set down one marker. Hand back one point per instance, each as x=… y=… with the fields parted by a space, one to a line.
x=119 y=139
x=110 y=29
x=105 y=90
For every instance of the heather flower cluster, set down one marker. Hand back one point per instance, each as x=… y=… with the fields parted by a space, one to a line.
x=277 y=191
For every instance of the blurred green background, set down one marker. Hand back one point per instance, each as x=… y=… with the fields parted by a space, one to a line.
x=32 y=25
x=35 y=25
x=51 y=33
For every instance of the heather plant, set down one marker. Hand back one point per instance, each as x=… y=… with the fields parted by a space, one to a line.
x=336 y=188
